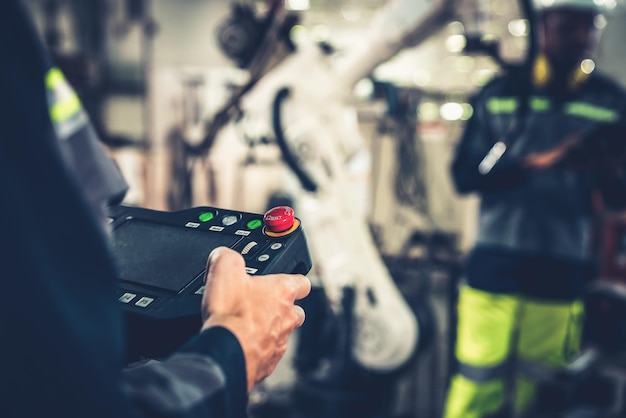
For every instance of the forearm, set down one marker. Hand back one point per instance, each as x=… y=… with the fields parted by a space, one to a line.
x=205 y=378
x=506 y=173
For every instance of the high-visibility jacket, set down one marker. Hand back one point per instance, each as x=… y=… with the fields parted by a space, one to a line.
x=544 y=212
x=520 y=311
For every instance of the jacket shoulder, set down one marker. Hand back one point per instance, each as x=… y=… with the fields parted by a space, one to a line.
x=602 y=82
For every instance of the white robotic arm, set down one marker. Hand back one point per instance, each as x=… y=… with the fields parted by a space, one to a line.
x=318 y=127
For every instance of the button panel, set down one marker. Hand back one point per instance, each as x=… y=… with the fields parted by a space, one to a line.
x=248 y=247
x=254 y=224
x=144 y=302
x=229 y=220
x=245 y=233
x=279 y=219
x=127 y=297
x=206 y=216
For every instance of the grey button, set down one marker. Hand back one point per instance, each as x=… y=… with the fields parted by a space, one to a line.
x=251 y=270
x=144 y=301
x=229 y=220
x=276 y=246
x=200 y=290
x=127 y=297
x=263 y=257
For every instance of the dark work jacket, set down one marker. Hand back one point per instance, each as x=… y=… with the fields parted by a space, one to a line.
x=540 y=213
x=61 y=334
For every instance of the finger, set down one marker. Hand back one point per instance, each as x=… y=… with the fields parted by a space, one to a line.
x=298 y=284
x=224 y=261
x=300 y=315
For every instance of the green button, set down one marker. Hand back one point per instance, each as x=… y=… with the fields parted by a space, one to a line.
x=206 y=216
x=254 y=224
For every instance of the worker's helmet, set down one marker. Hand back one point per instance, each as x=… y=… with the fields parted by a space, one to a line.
x=597 y=6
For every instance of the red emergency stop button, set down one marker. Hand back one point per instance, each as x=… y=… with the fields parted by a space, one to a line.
x=279 y=219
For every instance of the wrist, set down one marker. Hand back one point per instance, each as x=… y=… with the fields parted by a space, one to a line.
x=240 y=329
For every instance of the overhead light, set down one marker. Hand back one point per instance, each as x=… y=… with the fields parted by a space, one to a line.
x=609 y=4
x=451 y=111
x=297 y=5
x=298 y=33
x=587 y=66
x=455 y=43
x=468 y=111
x=518 y=27
x=428 y=111
x=599 y=21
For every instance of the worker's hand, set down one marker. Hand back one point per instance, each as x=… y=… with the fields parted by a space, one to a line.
x=547 y=159
x=259 y=310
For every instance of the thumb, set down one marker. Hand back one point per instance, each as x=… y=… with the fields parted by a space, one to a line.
x=224 y=261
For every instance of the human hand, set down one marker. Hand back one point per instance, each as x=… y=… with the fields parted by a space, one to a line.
x=259 y=310
x=547 y=159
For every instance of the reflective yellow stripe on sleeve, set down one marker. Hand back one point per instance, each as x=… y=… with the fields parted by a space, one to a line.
x=592 y=112
x=507 y=105
x=498 y=105
x=66 y=111
x=65 y=102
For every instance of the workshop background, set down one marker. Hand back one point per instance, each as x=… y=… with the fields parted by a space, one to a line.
x=164 y=81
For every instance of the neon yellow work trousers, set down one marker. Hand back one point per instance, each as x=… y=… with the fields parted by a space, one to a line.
x=499 y=331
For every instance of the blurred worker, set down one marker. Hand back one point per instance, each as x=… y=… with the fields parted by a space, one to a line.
x=60 y=324
x=520 y=311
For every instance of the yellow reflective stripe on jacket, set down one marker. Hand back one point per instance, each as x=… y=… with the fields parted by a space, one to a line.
x=508 y=105
x=496 y=105
x=590 y=111
x=66 y=111
x=64 y=101
x=505 y=105
x=540 y=104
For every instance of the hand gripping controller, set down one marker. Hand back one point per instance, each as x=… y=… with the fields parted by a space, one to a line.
x=161 y=259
